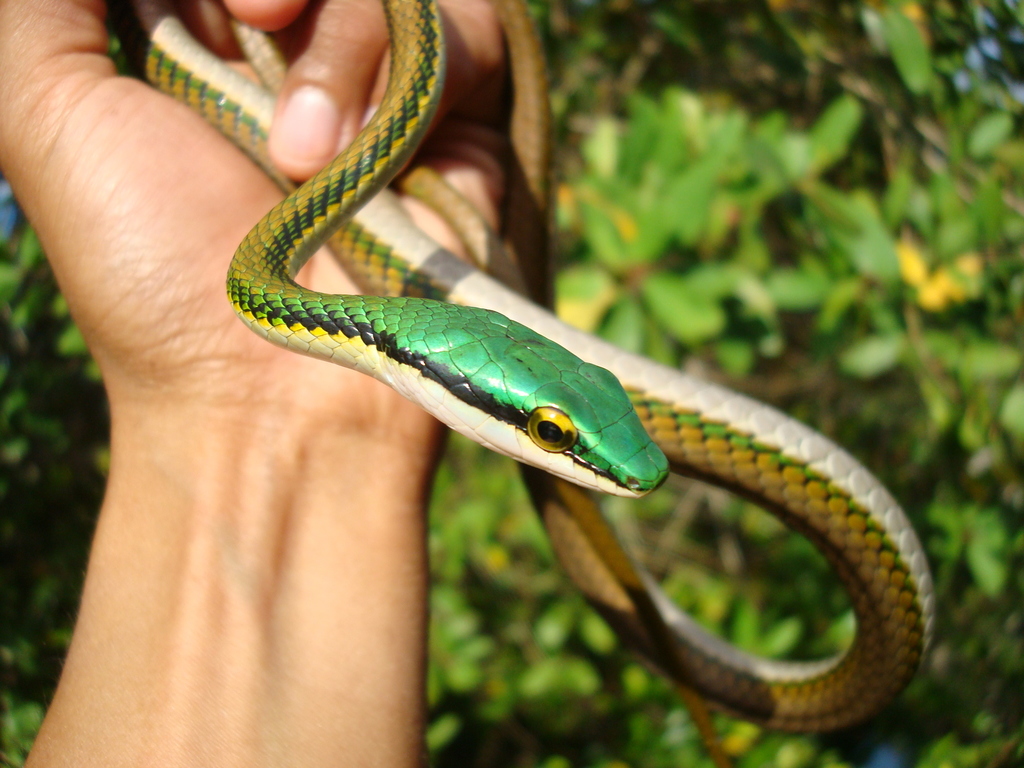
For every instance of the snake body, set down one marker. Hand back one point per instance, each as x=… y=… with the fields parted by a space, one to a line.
x=706 y=431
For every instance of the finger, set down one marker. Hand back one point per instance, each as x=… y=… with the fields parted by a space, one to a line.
x=209 y=22
x=338 y=77
x=268 y=15
x=324 y=102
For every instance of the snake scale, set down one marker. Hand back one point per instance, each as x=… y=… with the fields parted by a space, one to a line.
x=705 y=431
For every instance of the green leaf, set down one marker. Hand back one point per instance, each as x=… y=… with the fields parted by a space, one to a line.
x=872 y=356
x=554 y=626
x=797 y=290
x=842 y=295
x=781 y=638
x=584 y=293
x=674 y=27
x=563 y=674
x=897 y=195
x=715 y=281
x=855 y=226
x=596 y=633
x=625 y=325
x=841 y=631
x=602 y=235
x=1011 y=415
x=990 y=210
x=601 y=148
x=643 y=129
x=70 y=343
x=940 y=410
x=10 y=279
x=726 y=133
x=957 y=234
x=972 y=432
x=746 y=625
x=735 y=356
x=653 y=232
x=908 y=49
x=692 y=117
x=920 y=211
x=442 y=730
x=985 y=553
x=688 y=200
x=636 y=681
x=775 y=162
x=990 y=360
x=832 y=133
x=752 y=251
x=946 y=199
x=756 y=300
x=945 y=347
x=18 y=726
x=30 y=250
x=688 y=315
x=989 y=132
x=796 y=154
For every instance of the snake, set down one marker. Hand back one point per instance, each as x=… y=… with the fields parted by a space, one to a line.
x=507 y=373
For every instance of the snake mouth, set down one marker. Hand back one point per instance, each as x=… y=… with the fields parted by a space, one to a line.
x=639 y=487
x=607 y=481
x=645 y=472
x=628 y=488
x=631 y=478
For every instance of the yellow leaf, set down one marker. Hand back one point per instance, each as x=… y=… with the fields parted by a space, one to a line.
x=496 y=688
x=496 y=559
x=969 y=264
x=740 y=739
x=953 y=288
x=914 y=12
x=626 y=225
x=913 y=269
x=583 y=302
x=940 y=289
x=931 y=297
x=566 y=196
x=919 y=16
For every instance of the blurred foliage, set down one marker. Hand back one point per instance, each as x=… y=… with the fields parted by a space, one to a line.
x=819 y=204
x=53 y=432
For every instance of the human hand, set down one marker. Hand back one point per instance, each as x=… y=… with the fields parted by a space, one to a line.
x=259 y=559
x=142 y=234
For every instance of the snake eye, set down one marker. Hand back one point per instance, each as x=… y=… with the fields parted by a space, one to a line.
x=551 y=429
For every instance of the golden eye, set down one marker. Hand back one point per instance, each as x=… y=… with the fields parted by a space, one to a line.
x=551 y=429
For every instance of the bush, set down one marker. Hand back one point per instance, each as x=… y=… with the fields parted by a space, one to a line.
x=816 y=204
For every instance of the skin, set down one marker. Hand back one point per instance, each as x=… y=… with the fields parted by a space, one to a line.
x=249 y=600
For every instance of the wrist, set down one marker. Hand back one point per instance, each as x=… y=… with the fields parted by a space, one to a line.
x=247 y=576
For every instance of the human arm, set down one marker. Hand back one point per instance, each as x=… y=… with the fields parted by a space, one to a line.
x=256 y=587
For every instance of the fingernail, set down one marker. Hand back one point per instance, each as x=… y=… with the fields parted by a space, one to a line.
x=308 y=128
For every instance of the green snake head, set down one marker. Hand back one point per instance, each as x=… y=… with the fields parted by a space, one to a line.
x=517 y=392
x=485 y=376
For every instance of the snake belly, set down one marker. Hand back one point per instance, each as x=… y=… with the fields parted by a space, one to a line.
x=706 y=431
